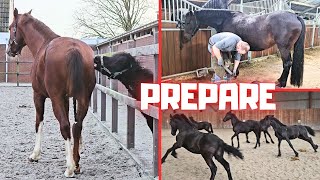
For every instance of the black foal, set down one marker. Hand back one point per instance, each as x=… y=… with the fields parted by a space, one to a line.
x=243 y=127
x=206 y=144
x=202 y=125
x=284 y=132
x=265 y=124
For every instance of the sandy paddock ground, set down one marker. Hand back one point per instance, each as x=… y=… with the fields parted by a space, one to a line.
x=269 y=69
x=260 y=164
x=101 y=156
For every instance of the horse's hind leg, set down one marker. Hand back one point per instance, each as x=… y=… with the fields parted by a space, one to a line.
x=309 y=140
x=247 y=137
x=39 y=101
x=257 y=133
x=225 y=164
x=210 y=163
x=76 y=130
x=58 y=104
x=286 y=60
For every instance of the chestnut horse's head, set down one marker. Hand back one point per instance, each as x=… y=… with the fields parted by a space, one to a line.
x=16 y=41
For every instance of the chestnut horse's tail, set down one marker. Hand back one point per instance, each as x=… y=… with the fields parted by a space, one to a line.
x=298 y=57
x=75 y=72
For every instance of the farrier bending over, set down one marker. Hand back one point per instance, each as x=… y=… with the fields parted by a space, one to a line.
x=226 y=42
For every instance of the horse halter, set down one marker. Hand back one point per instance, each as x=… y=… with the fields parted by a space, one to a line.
x=115 y=74
x=14 y=35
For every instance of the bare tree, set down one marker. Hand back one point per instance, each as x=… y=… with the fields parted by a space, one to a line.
x=108 y=18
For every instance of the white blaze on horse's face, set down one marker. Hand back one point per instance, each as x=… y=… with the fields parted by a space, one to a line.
x=37 y=148
x=70 y=161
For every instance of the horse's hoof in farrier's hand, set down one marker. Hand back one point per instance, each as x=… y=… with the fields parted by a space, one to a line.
x=32 y=160
x=77 y=170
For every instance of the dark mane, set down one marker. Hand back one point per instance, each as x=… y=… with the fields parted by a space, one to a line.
x=184 y=118
x=39 y=26
x=278 y=122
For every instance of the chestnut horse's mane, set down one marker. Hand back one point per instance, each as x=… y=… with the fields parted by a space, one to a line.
x=40 y=27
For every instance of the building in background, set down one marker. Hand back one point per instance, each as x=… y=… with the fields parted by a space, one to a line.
x=4 y=15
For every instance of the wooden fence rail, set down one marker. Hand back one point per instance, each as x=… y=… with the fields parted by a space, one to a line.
x=131 y=103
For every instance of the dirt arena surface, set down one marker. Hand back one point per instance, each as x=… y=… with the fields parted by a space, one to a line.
x=101 y=156
x=258 y=164
x=269 y=69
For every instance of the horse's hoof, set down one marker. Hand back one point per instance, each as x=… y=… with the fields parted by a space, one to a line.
x=272 y=142
x=279 y=155
x=32 y=160
x=77 y=170
x=297 y=155
x=69 y=174
x=267 y=142
x=248 y=141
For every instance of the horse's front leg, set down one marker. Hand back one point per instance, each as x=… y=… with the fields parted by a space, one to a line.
x=39 y=101
x=247 y=137
x=175 y=146
x=279 y=143
x=58 y=105
x=286 y=61
x=295 y=152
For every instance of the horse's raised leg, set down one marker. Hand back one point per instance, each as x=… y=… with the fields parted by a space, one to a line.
x=295 y=152
x=226 y=166
x=76 y=131
x=210 y=163
x=39 y=101
x=174 y=147
x=286 y=61
x=279 y=143
x=247 y=137
x=58 y=105
x=270 y=137
x=309 y=140
x=235 y=134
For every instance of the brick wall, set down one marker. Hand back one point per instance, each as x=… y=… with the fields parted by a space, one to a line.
x=24 y=67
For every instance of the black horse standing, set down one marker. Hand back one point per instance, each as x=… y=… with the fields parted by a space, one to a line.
x=243 y=127
x=124 y=67
x=284 y=132
x=206 y=144
x=284 y=29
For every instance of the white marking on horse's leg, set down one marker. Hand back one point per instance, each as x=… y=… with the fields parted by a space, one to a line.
x=70 y=161
x=37 y=148
x=80 y=144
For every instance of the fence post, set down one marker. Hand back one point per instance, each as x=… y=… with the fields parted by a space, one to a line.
x=18 y=71
x=103 y=100
x=155 y=125
x=114 y=105
x=130 y=127
x=313 y=32
x=95 y=96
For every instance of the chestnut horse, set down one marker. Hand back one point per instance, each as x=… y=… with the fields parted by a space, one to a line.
x=62 y=68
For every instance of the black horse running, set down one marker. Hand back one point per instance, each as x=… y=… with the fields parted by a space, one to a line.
x=206 y=144
x=202 y=125
x=283 y=132
x=243 y=127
